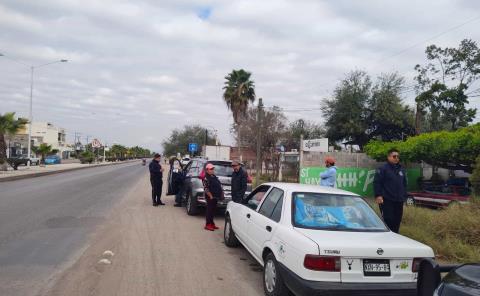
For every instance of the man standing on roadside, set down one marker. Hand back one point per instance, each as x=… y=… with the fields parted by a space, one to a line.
x=156 y=179
x=329 y=177
x=239 y=182
x=213 y=192
x=390 y=187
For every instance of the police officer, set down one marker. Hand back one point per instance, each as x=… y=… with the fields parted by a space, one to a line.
x=213 y=192
x=239 y=182
x=156 y=179
x=390 y=187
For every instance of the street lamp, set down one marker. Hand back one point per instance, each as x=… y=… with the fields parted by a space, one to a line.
x=30 y=117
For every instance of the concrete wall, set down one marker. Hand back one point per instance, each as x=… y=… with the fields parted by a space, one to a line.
x=342 y=159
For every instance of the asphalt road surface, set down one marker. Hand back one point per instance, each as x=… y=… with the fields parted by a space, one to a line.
x=54 y=231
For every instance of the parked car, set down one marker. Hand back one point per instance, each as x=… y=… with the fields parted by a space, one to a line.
x=314 y=240
x=53 y=159
x=461 y=280
x=15 y=162
x=193 y=186
x=439 y=196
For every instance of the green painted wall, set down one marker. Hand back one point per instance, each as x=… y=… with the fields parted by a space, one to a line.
x=357 y=180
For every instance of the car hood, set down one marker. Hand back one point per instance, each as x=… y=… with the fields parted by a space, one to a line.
x=366 y=244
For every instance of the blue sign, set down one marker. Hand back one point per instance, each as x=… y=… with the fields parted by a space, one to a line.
x=192 y=147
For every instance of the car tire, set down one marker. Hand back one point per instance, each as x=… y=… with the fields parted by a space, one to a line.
x=229 y=237
x=273 y=284
x=410 y=201
x=192 y=206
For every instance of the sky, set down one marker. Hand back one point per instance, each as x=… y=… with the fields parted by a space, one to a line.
x=137 y=70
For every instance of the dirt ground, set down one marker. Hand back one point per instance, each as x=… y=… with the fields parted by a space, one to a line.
x=158 y=251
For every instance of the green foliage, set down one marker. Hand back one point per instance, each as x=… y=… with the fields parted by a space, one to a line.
x=475 y=178
x=362 y=110
x=9 y=125
x=44 y=150
x=87 y=157
x=239 y=91
x=448 y=149
x=180 y=138
x=443 y=85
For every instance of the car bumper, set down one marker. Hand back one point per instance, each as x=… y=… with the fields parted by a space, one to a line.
x=301 y=287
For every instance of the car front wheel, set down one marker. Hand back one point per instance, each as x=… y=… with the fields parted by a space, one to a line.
x=273 y=284
x=192 y=208
x=229 y=235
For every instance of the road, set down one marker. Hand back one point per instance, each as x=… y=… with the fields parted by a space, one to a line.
x=54 y=230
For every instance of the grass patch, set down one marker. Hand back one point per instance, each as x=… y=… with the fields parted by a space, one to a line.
x=453 y=233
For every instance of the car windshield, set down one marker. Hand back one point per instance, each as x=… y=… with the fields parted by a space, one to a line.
x=334 y=212
x=223 y=169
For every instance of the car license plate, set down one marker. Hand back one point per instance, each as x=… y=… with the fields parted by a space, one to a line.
x=227 y=187
x=376 y=267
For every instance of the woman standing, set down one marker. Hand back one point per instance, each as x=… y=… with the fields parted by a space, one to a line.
x=213 y=192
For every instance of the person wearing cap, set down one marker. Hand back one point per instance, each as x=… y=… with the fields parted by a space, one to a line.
x=239 y=182
x=328 y=178
x=213 y=192
x=156 y=179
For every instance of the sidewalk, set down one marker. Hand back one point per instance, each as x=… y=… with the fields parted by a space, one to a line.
x=24 y=172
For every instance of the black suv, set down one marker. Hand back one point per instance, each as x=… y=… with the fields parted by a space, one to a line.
x=193 y=186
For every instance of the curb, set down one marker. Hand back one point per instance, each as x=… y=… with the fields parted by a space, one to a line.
x=41 y=174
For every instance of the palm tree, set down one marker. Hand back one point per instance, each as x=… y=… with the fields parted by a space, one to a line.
x=239 y=92
x=8 y=126
x=44 y=150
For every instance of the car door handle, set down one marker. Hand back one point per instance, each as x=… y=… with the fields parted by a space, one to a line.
x=269 y=228
x=248 y=215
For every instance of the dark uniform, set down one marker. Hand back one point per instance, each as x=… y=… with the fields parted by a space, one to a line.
x=212 y=184
x=239 y=185
x=156 y=179
x=391 y=183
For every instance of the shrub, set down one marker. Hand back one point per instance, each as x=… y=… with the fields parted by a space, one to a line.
x=87 y=157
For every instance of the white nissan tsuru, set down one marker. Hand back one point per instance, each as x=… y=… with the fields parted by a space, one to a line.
x=314 y=240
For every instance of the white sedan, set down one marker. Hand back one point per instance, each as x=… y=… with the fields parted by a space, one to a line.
x=314 y=240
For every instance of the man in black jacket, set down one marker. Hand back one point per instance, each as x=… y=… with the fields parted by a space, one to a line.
x=390 y=187
x=239 y=182
x=156 y=179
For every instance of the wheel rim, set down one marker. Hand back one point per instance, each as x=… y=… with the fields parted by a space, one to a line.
x=410 y=201
x=227 y=230
x=270 y=276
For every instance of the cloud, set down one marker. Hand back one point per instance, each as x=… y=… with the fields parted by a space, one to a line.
x=139 y=69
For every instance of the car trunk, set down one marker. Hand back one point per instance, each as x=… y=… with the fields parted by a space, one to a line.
x=370 y=256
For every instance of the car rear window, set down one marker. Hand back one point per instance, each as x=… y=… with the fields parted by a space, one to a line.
x=334 y=212
x=222 y=169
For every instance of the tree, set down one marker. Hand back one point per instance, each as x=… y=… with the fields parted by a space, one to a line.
x=44 y=150
x=388 y=119
x=118 y=151
x=444 y=82
x=180 y=138
x=239 y=92
x=8 y=126
x=308 y=129
x=456 y=150
x=361 y=110
x=273 y=130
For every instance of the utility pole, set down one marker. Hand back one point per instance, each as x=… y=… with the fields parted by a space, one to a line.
x=258 y=165
x=300 y=158
x=206 y=138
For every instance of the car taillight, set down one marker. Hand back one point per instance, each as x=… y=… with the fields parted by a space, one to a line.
x=416 y=264
x=322 y=263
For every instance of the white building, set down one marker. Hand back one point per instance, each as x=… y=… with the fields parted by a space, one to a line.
x=42 y=133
